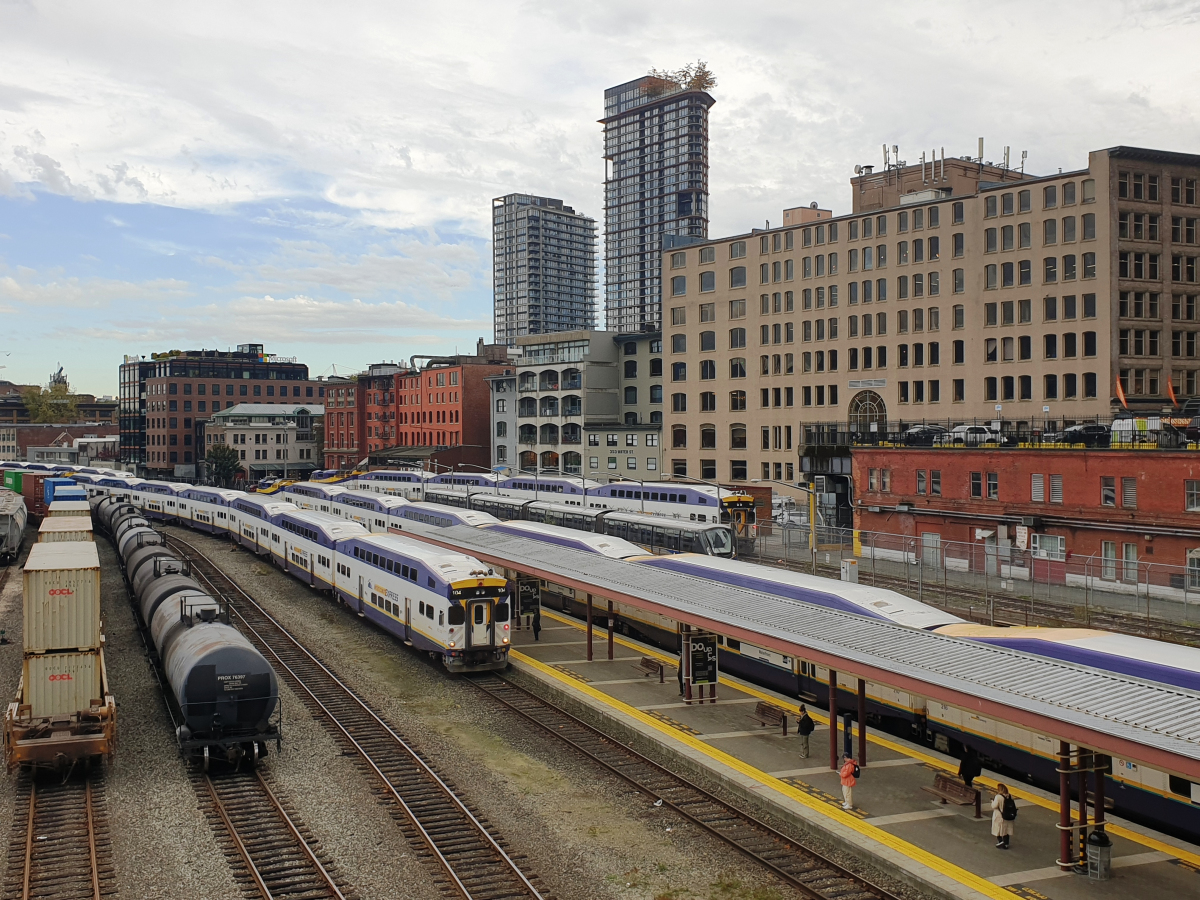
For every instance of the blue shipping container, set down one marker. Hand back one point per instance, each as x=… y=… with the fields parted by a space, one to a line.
x=70 y=493
x=50 y=484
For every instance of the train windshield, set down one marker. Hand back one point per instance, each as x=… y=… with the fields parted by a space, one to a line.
x=718 y=541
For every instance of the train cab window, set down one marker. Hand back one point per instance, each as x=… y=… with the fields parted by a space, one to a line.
x=502 y=612
x=458 y=616
x=733 y=643
x=1184 y=788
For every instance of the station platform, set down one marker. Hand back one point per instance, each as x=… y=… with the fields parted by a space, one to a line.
x=938 y=848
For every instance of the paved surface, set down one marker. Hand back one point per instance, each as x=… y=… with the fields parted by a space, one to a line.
x=893 y=820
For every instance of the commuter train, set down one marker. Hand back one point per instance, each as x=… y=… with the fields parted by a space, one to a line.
x=1137 y=792
x=447 y=604
x=223 y=695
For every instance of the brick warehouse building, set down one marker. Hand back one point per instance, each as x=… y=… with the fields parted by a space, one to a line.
x=344 y=428
x=1067 y=505
x=406 y=413
x=163 y=400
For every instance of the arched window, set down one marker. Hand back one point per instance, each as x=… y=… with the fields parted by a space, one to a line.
x=708 y=437
x=679 y=437
x=737 y=401
x=631 y=395
x=737 y=338
x=549 y=406
x=548 y=434
x=737 y=437
x=867 y=407
x=528 y=461
x=527 y=434
x=572 y=463
x=549 y=460
x=548 y=380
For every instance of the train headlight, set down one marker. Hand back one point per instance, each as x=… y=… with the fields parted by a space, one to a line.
x=452 y=643
x=506 y=640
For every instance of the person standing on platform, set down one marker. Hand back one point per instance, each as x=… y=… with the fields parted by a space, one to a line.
x=1004 y=815
x=969 y=768
x=849 y=776
x=537 y=623
x=804 y=728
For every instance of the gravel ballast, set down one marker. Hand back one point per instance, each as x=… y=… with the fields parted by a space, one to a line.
x=585 y=833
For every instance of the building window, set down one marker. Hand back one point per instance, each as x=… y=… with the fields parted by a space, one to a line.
x=993 y=486
x=977 y=485
x=1129 y=493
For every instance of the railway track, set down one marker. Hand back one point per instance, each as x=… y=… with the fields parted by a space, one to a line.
x=470 y=858
x=60 y=846
x=273 y=855
x=813 y=874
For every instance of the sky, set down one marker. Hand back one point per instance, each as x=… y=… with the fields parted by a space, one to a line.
x=317 y=177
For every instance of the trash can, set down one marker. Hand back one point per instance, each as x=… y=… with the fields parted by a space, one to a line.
x=1099 y=856
x=850 y=570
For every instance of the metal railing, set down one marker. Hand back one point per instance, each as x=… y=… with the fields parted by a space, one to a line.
x=999 y=584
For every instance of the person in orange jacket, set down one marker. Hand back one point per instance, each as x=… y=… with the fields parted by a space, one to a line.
x=849 y=776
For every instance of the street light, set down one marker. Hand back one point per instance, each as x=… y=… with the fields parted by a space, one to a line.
x=642 y=492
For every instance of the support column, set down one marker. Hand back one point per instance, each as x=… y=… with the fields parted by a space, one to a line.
x=1101 y=768
x=1064 y=806
x=833 y=721
x=862 y=722
x=589 y=627
x=610 y=629
x=1085 y=763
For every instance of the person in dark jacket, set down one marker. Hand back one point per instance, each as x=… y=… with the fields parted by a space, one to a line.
x=969 y=768
x=537 y=623
x=804 y=728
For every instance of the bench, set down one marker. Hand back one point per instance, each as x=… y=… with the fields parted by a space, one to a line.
x=770 y=714
x=651 y=666
x=949 y=789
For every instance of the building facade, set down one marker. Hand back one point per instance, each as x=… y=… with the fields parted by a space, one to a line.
x=952 y=293
x=272 y=439
x=655 y=191
x=164 y=400
x=344 y=429
x=88 y=407
x=582 y=403
x=82 y=444
x=543 y=267
x=1113 y=507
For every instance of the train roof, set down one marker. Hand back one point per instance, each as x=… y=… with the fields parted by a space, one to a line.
x=658 y=520
x=612 y=547
x=472 y=517
x=408 y=475
x=226 y=495
x=164 y=487
x=313 y=489
x=860 y=599
x=331 y=526
x=448 y=565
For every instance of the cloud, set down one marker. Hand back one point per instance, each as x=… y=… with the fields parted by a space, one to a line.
x=71 y=292
x=297 y=319
x=49 y=173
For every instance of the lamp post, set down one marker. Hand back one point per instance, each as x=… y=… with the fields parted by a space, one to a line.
x=642 y=491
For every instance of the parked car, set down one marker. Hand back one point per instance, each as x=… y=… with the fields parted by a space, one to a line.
x=969 y=436
x=923 y=435
x=1090 y=434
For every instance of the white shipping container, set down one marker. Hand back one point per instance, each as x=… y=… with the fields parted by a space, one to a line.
x=66 y=528
x=62 y=597
x=62 y=683
x=69 y=508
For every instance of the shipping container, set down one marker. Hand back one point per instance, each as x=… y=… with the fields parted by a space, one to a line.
x=66 y=528
x=62 y=597
x=58 y=684
x=33 y=490
x=69 y=508
x=12 y=479
x=49 y=485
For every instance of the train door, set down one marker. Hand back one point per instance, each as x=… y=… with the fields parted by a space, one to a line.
x=408 y=619
x=360 y=595
x=478 y=624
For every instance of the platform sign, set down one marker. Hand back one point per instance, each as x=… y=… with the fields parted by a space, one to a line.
x=703 y=651
x=528 y=596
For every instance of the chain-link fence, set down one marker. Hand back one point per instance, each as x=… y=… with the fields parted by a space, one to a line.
x=995 y=583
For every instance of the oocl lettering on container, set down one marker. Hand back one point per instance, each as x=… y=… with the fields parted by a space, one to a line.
x=62 y=676
x=61 y=592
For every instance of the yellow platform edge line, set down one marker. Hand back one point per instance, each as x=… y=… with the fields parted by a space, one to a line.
x=911 y=752
x=912 y=851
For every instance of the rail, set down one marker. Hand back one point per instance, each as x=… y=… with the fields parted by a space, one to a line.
x=60 y=845
x=814 y=875
x=463 y=845
x=274 y=851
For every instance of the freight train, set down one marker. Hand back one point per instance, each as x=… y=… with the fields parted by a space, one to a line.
x=223 y=695
x=13 y=517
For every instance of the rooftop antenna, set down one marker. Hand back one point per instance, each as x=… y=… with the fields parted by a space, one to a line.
x=1024 y=153
x=981 y=151
x=943 y=164
x=924 y=180
x=1006 y=156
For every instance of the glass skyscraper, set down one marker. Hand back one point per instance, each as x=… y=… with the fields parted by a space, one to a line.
x=655 y=191
x=543 y=267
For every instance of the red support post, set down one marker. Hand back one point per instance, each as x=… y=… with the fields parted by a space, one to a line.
x=1064 y=806
x=862 y=722
x=589 y=627
x=1101 y=766
x=1084 y=765
x=833 y=721
x=610 y=629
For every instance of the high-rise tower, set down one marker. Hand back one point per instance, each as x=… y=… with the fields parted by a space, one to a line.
x=655 y=189
x=543 y=267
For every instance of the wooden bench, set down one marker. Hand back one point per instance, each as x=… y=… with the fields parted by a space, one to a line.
x=949 y=789
x=770 y=714
x=651 y=666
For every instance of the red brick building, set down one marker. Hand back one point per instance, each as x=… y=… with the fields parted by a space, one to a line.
x=344 y=426
x=1109 y=505
x=443 y=405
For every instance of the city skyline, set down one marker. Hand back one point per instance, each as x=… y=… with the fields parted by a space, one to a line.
x=143 y=209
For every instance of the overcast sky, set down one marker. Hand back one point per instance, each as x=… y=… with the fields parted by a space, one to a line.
x=317 y=177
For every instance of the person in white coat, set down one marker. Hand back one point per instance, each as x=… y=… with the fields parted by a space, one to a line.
x=1004 y=814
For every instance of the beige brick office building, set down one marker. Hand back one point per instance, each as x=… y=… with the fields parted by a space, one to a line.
x=953 y=292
